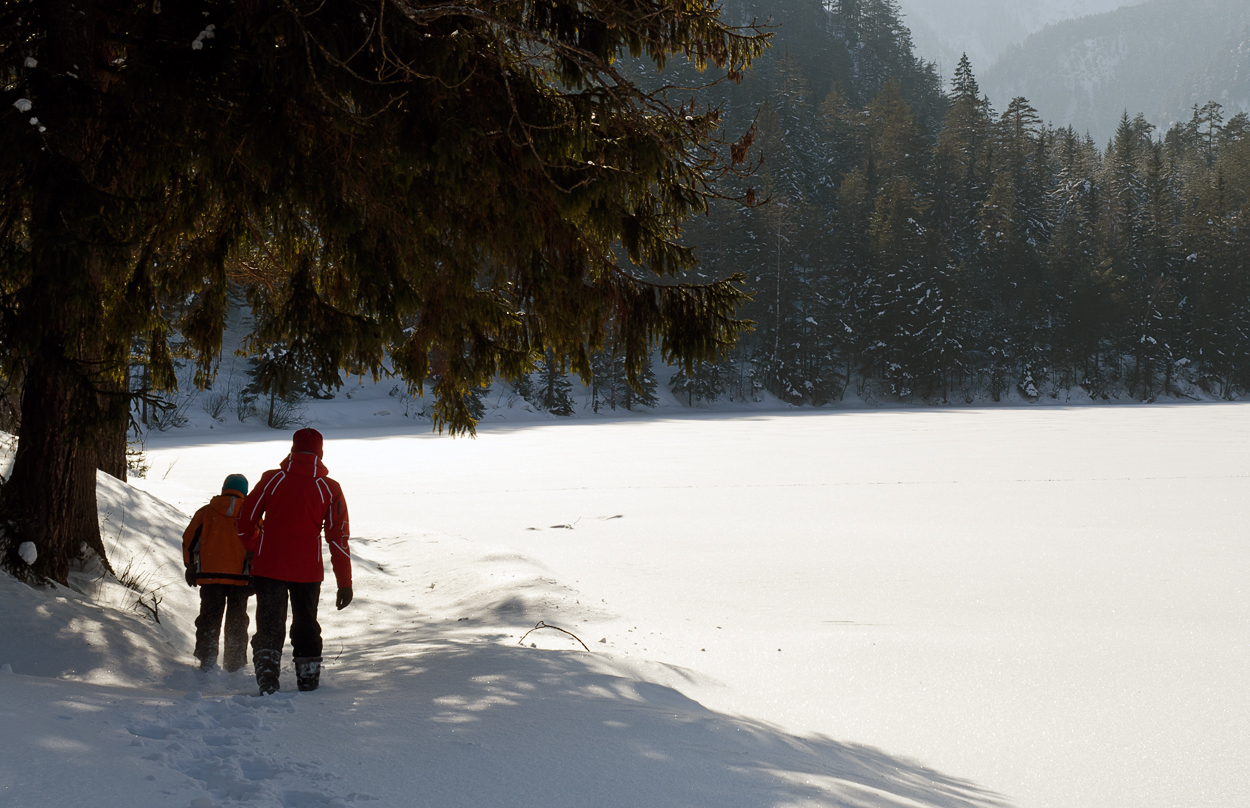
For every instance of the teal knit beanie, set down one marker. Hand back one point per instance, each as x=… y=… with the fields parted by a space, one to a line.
x=235 y=482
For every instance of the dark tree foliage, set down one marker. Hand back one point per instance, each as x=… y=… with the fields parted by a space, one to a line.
x=438 y=190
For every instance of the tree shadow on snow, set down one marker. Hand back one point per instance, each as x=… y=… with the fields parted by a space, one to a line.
x=472 y=721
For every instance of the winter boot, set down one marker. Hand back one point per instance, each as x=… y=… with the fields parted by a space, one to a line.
x=236 y=654
x=267 y=663
x=308 y=672
x=206 y=655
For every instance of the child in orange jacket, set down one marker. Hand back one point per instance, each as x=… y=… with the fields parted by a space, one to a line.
x=217 y=563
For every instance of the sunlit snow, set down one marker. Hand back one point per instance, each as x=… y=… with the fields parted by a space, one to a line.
x=967 y=607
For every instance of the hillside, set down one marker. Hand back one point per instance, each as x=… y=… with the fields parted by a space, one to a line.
x=984 y=29
x=1160 y=58
x=1223 y=78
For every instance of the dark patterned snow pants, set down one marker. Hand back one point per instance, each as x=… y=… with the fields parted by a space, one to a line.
x=271 y=606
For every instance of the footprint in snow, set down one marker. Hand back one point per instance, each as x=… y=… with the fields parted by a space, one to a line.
x=217 y=743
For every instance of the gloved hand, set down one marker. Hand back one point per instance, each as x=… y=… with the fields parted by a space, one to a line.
x=191 y=577
x=343 y=598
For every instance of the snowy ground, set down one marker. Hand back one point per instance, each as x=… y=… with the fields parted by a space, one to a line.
x=1030 y=607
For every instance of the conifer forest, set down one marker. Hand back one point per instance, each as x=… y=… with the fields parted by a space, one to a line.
x=918 y=244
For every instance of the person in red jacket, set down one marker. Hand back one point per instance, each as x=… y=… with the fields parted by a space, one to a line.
x=297 y=501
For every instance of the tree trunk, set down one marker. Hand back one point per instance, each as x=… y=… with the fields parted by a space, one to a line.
x=50 y=497
x=111 y=447
x=67 y=403
x=69 y=395
x=10 y=404
x=68 y=406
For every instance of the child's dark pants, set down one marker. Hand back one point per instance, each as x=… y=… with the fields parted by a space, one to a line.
x=216 y=600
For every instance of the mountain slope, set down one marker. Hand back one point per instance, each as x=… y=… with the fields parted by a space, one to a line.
x=1159 y=58
x=1224 y=77
x=945 y=29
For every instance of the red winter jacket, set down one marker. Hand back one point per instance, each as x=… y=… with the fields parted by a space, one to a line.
x=296 y=500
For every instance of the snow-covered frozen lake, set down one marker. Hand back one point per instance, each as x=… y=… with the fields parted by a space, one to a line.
x=1051 y=605
x=1028 y=606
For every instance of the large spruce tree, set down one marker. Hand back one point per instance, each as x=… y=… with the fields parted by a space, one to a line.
x=443 y=190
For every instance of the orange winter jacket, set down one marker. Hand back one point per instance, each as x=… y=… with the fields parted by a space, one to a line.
x=210 y=545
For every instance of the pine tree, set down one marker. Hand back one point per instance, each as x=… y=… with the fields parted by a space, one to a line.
x=962 y=160
x=1211 y=265
x=963 y=177
x=847 y=15
x=1207 y=124
x=555 y=391
x=912 y=342
x=1122 y=242
x=273 y=375
x=1081 y=315
x=610 y=384
x=795 y=354
x=282 y=381
x=842 y=131
x=897 y=143
x=1152 y=298
x=1014 y=232
x=441 y=188
x=644 y=394
x=475 y=403
x=607 y=381
x=704 y=382
x=523 y=386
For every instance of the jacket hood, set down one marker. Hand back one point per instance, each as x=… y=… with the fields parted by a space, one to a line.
x=304 y=464
x=227 y=503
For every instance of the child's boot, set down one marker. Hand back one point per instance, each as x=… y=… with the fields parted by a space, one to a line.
x=236 y=654
x=206 y=654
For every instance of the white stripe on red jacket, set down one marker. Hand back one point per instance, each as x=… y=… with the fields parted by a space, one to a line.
x=296 y=501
